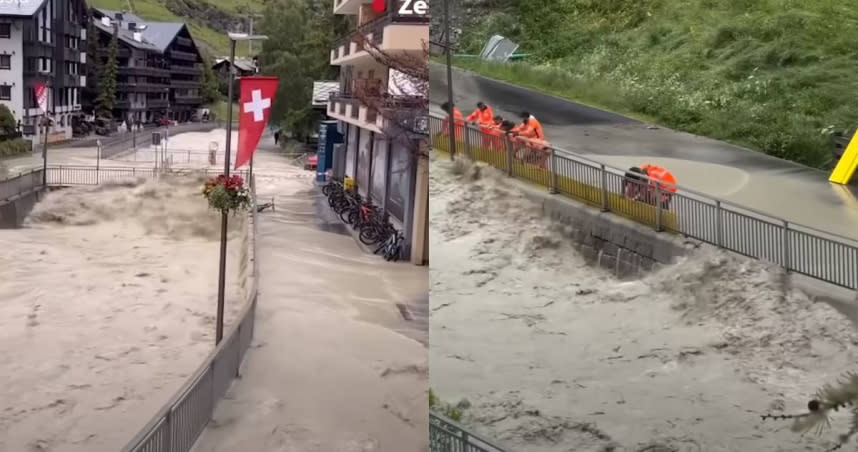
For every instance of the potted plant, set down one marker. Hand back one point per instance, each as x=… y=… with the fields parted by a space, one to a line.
x=227 y=193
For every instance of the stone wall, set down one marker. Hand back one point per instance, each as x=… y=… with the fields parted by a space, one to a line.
x=623 y=247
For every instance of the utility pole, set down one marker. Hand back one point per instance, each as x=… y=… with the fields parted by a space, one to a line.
x=250 y=32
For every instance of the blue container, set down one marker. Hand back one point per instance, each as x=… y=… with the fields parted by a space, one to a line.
x=328 y=137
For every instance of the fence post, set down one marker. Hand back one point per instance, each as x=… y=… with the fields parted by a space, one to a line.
x=509 y=153
x=468 y=152
x=658 y=209
x=719 y=231
x=167 y=441
x=604 y=187
x=552 y=172
x=785 y=251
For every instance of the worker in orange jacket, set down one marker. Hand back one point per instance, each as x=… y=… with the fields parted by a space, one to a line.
x=531 y=127
x=458 y=120
x=662 y=178
x=483 y=115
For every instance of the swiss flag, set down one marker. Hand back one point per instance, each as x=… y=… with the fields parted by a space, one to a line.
x=257 y=97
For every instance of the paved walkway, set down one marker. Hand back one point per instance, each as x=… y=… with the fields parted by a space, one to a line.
x=777 y=187
x=334 y=366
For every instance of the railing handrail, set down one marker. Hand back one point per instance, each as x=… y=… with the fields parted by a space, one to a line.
x=464 y=434
x=705 y=197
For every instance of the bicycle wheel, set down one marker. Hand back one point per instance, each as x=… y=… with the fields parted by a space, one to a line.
x=350 y=216
x=326 y=189
x=369 y=234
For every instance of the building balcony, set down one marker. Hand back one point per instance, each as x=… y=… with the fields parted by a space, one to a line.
x=181 y=55
x=124 y=52
x=390 y=33
x=122 y=104
x=141 y=87
x=184 y=42
x=188 y=100
x=144 y=71
x=189 y=70
x=72 y=55
x=355 y=110
x=157 y=103
x=185 y=83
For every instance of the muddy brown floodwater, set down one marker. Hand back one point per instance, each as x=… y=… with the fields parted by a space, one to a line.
x=107 y=305
x=555 y=355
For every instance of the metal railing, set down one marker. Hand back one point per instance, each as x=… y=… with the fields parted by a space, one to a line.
x=446 y=435
x=179 y=423
x=74 y=175
x=797 y=248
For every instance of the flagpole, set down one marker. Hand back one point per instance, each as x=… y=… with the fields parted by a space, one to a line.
x=224 y=221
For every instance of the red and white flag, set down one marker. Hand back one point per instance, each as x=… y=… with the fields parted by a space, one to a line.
x=257 y=97
x=42 y=96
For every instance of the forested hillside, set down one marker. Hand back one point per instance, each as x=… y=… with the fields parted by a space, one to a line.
x=775 y=75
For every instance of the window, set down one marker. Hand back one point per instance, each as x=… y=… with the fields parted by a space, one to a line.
x=5 y=30
x=5 y=61
x=5 y=92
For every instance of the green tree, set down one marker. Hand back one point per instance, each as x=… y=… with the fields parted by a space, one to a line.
x=298 y=51
x=106 y=100
x=8 y=126
x=210 y=89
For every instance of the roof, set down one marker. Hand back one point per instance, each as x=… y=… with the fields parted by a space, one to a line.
x=20 y=8
x=241 y=64
x=322 y=91
x=157 y=36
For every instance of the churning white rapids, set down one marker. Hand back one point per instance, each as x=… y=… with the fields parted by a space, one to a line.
x=554 y=355
x=107 y=305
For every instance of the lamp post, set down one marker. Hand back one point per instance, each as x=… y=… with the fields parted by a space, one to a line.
x=233 y=39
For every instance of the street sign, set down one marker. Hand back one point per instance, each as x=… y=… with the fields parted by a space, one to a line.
x=156 y=138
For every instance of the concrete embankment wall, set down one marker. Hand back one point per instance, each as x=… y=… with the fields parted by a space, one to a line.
x=13 y=211
x=620 y=246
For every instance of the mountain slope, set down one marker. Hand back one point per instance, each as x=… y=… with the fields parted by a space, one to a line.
x=774 y=75
x=208 y=20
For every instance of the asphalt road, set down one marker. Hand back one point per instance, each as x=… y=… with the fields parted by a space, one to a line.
x=783 y=189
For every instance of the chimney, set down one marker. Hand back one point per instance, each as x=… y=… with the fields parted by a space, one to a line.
x=118 y=17
x=132 y=26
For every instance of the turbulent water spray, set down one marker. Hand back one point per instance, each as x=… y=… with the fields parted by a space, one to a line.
x=539 y=341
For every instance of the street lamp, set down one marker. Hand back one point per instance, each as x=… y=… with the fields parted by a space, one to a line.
x=233 y=39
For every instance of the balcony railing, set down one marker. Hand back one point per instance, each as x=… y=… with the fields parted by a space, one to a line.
x=157 y=103
x=180 y=55
x=144 y=70
x=141 y=87
x=191 y=70
x=185 y=83
x=188 y=100
x=376 y=26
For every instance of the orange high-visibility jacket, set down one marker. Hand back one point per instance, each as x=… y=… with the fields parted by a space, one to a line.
x=661 y=174
x=537 y=127
x=484 y=117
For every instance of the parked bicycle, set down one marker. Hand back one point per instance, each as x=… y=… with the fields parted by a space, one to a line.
x=377 y=229
x=391 y=249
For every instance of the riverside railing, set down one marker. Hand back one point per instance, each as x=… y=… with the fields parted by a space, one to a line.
x=178 y=424
x=797 y=248
x=72 y=175
x=446 y=435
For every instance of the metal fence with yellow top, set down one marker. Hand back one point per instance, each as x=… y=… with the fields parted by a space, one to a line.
x=797 y=248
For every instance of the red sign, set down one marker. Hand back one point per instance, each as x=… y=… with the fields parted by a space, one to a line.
x=379 y=5
x=42 y=96
x=257 y=97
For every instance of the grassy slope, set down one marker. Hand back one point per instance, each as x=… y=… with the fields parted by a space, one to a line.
x=773 y=75
x=211 y=39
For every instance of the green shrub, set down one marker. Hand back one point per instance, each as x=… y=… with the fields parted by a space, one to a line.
x=777 y=76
